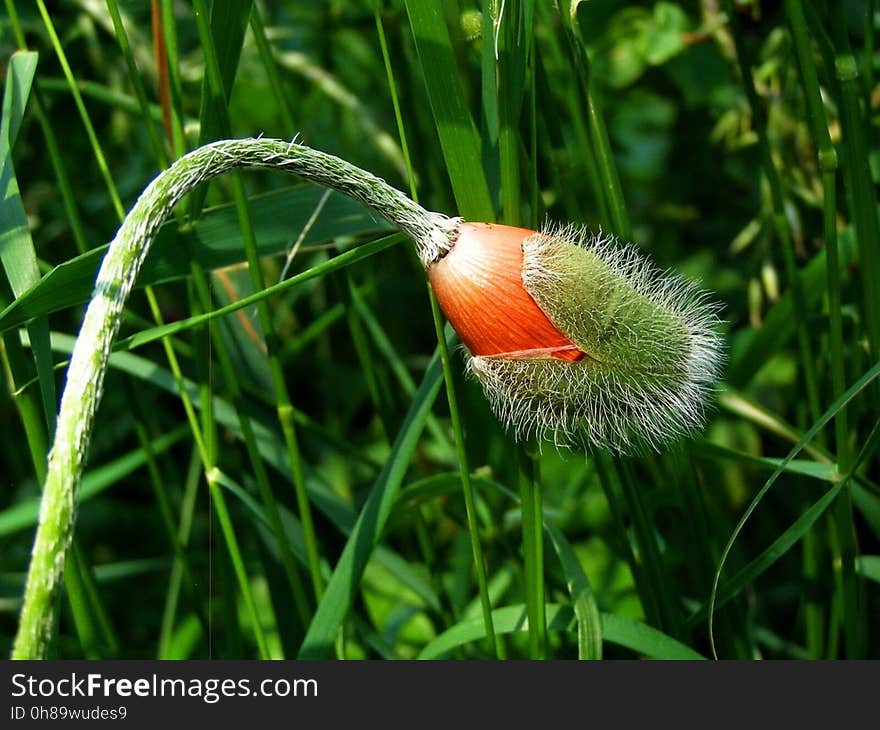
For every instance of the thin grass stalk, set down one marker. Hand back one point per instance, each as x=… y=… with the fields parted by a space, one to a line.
x=618 y=222
x=649 y=551
x=386 y=348
x=96 y=607
x=160 y=58
x=620 y=225
x=868 y=61
x=52 y=148
x=814 y=608
x=222 y=510
x=703 y=525
x=208 y=432
x=87 y=629
x=283 y=406
x=30 y=411
x=88 y=622
x=279 y=95
x=84 y=116
x=378 y=394
x=167 y=55
x=136 y=81
x=175 y=580
x=581 y=143
x=496 y=643
x=201 y=288
x=113 y=98
x=509 y=88
x=531 y=505
x=120 y=267
x=610 y=479
x=467 y=487
x=867 y=380
x=862 y=194
x=167 y=516
x=827 y=159
x=262 y=478
x=395 y=101
x=206 y=439
x=510 y=71
x=162 y=159
x=108 y=179
x=534 y=185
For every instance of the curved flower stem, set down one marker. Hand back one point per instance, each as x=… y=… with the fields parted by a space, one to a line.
x=433 y=234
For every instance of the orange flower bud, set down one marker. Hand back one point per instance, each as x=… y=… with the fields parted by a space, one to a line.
x=577 y=338
x=480 y=288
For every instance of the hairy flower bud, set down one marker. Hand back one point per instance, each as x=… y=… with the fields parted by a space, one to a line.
x=577 y=338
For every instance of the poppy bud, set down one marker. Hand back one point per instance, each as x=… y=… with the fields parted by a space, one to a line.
x=576 y=338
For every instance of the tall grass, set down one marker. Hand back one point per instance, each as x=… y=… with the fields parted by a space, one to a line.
x=274 y=471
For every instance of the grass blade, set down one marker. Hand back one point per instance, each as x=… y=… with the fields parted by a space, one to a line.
x=459 y=139
x=853 y=391
x=615 y=629
x=343 y=585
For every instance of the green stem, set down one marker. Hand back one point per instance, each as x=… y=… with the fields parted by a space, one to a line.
x=283 y=403
x=395 y=102
x=531 y=504
x=279 y=95
x=169 y=34
x=827 y=158
x=509 y=77
x=247 y=431
x=80 y=105
x=432 y=233
x=175 y=580
x=862 y=194
x=136 y=80
x=454 y=416
x=610 y=181
x=870 y=7
x=222 y=510
x=52 y=147
x=165 y=512
x=466 y=485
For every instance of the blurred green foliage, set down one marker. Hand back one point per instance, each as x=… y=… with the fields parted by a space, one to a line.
x=686 y=146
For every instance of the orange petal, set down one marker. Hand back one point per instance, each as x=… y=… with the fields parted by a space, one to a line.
x=479 y=287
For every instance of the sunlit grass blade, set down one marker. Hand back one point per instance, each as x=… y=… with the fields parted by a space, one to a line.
x=459 y=139
x=23 y=515
x=343 y=585
x=618 y=221
x=222 y=32
x=860 y=385
x=625 y=632
x=441 y=330
x=17 y=251
x=790 y=536
x=583 y=600
x=337 y=512
x=235 y=555
x=844 y=549
x=213 y=242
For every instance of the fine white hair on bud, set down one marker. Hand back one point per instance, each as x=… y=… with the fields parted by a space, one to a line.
x=652 y=352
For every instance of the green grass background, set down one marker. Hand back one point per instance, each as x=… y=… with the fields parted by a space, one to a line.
x=312 y=474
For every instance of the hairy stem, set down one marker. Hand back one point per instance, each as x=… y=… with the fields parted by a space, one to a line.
x=433 y=234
